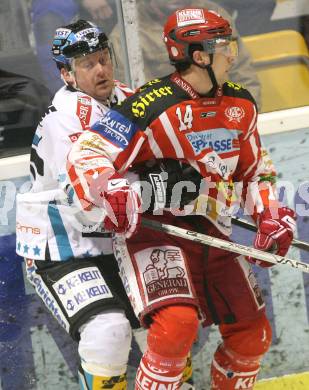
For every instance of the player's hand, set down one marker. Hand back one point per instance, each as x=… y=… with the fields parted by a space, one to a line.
x=122 y=204
x=275 y=232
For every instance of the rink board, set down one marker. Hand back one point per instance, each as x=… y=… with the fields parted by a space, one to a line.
x=35 y=353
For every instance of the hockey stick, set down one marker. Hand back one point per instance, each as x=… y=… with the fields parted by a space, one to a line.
x=250 y=226
x=223 y=244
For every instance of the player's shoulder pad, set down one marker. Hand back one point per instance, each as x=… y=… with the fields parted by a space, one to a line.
x=236 y=90
x=151 y=99
x=123 y=87
x=47 y=112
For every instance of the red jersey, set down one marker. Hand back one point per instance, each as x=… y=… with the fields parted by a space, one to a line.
x=166 y=118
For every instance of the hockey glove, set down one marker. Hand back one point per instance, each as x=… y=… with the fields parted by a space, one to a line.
x=275 y=234
x=165 y=178
x=121 y=203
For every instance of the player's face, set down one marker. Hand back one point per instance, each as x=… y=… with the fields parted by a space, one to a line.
x=223 y=59
x=94 y=74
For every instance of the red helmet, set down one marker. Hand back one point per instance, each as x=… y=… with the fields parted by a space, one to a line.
x=189 y=26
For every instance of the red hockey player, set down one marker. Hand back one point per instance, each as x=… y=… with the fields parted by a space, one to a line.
x=196 y=117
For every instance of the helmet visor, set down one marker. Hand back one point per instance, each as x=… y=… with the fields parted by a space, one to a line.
x=229 y=49
x=226 y=45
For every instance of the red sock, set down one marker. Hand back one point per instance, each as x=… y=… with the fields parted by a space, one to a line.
x=156 y=372
x=230 y=371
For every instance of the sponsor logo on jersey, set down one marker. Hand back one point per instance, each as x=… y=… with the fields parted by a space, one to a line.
x=84 y=109
x=149 y=84
x=219 y=140
x=185 y=86
x=45 y=294
x=122 y=255
x=74 y=137
x=209 y=114
x=27 y=229
x=80 y=288
x=164 y=276
x=116 y=128
x=235 y=86
x=85 y=100
x=139 y=107
x=190 y=16
x=234 y=113
x=162 y=273
x=159 y=189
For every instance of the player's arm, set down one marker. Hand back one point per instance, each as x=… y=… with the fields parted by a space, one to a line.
x=276 y=223
x=45 y=157
x=94 y=166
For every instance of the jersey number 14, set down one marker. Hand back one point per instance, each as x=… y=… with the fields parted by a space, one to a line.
x=185 y=120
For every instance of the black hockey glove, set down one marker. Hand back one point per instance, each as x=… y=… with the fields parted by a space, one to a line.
x=172 y=184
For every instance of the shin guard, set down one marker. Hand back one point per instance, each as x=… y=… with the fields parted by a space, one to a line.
x=170 y=338
x=156 y=372
x=89 y=381
x=236 y=362
x=230 y=371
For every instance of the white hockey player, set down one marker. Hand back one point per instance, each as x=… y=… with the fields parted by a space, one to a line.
x=69 y=260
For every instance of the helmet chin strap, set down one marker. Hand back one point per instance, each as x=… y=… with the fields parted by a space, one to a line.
x=211 y=74
x=212 y=77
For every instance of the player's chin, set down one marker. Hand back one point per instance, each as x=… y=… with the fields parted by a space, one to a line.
x=104 y=90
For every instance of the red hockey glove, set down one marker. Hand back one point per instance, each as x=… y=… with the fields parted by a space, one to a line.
x=121 y=203
x=275 y=234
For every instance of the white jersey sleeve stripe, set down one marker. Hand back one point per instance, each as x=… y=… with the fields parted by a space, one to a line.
x=168 y=128
x=155 y=148
x=133 y=155
x=255 y=150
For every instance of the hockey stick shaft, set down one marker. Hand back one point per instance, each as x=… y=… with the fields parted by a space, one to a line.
x=223 y=244
x=250 y=226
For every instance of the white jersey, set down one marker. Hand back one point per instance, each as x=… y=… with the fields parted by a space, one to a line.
x=48 y=224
